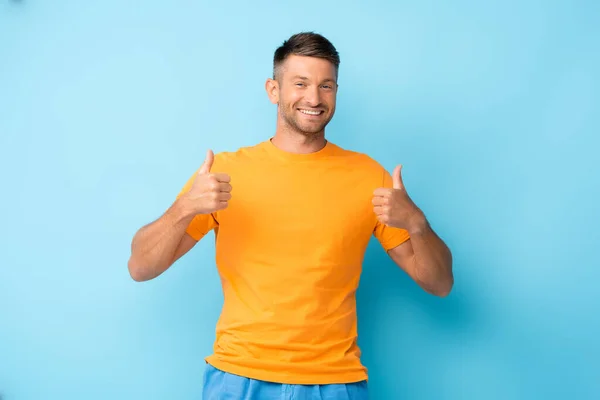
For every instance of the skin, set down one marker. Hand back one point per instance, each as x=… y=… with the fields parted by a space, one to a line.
x=301 y=84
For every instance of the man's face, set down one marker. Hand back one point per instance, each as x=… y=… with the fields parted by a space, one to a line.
x=305 y=91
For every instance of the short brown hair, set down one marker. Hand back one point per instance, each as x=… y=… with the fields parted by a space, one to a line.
x=308 y=44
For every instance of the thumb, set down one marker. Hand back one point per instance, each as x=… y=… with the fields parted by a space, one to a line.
x=397 y=177
x=208 y=162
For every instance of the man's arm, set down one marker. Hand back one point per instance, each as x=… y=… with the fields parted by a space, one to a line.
x=156 y=246
x=425 y=258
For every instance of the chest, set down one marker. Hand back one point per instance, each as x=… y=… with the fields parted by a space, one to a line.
x=316 y=203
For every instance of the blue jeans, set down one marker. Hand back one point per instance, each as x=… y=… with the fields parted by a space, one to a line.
x=219 y=385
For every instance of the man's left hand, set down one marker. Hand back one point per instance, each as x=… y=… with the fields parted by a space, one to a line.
x=394 y=207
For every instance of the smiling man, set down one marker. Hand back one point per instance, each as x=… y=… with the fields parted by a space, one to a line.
x=292 y=217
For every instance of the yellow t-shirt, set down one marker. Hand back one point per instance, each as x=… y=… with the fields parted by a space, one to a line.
x=289 y=251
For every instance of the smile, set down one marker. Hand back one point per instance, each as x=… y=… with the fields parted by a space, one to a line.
x=311 y=112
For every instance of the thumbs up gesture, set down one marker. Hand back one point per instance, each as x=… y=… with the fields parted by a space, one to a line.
x=209 y=192
x=393 y=207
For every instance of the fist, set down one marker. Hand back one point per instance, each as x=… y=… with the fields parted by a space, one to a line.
x=393 y=207
x=209 y=192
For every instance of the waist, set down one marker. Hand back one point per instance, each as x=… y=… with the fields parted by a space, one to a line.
x=297 y=330
x=313 y=360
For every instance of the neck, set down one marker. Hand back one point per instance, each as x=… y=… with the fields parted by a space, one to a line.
x=293 y=141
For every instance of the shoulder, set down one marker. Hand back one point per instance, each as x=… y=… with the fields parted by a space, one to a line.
x=361 y=161
x=363 y=167
x=240 y=156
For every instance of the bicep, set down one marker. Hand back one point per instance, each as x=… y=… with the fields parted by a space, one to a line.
x=185 y=244
x=403 y=255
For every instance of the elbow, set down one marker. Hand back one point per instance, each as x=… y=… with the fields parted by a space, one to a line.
x=445 y=283
x=442 y=292
x=444 y=289
x=439 y=288
x=141 y=271
x=136 y=271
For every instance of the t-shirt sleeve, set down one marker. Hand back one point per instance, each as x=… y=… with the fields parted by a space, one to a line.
x=388 y=236
x=201 y=224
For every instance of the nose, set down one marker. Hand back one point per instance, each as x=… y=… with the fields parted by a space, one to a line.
x=312 y=96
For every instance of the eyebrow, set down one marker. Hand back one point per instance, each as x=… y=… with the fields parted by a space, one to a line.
x=304 y=78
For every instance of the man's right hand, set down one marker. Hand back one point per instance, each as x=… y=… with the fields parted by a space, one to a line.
x=210 y=192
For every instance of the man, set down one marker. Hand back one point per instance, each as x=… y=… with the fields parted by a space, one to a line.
x=292 y=217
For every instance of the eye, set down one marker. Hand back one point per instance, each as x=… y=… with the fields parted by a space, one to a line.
x=299 y=84
x=327 y=86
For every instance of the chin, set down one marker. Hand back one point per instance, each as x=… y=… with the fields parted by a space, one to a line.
x=310 y=131
x=306 y=129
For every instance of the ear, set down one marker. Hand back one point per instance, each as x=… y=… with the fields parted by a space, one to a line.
x=272 y=88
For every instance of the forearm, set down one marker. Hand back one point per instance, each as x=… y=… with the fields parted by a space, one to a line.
x=153 y=247
x=432 y=260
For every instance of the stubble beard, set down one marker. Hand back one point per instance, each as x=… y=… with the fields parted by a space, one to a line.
x=291 y=121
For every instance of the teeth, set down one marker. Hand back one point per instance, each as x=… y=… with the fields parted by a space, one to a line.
x=310 y=112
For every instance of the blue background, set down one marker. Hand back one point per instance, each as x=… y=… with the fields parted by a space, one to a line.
x=106 y=109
